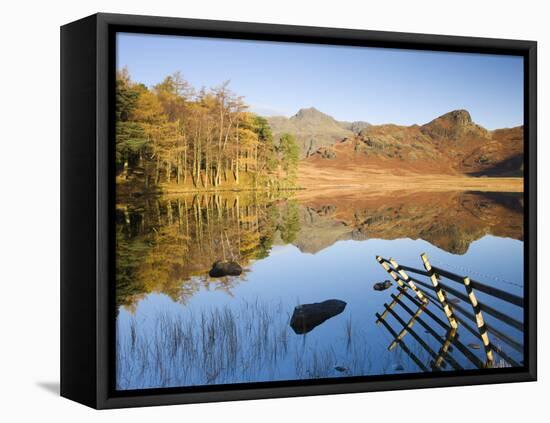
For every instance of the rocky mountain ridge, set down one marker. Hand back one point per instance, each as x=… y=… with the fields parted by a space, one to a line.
x=451 y=144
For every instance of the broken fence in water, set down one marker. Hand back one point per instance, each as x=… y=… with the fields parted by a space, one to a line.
x=434 y=290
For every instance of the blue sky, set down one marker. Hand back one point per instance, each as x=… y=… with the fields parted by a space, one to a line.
x=348 y=83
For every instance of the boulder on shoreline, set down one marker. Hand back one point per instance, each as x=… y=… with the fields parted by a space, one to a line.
x=223 y=268
x=306 y=317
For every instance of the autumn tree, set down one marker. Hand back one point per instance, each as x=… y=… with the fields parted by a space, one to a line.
x=172 y=135
x=130 y=136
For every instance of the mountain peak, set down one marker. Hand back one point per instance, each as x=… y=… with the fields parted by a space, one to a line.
x=459 y=117
x=454 y=125
x=310 y=113
x=312 y=128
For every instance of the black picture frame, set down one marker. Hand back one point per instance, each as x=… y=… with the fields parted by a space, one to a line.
x=87 y=192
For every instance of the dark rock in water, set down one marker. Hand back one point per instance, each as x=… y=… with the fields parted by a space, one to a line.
x=225 y=268
x=382 y=286
x=398 y=367
x=340 y=369
x=306 y=317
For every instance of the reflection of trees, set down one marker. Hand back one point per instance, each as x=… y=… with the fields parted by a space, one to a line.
x=168 y=245
x=128 y=257
x=290 y=222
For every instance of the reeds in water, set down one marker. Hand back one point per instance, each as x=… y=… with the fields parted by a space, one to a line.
x=248 y=343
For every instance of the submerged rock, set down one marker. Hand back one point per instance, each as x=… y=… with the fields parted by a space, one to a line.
x=225 y=268
x=306 y=317
x=341 y=369
x=381 y=286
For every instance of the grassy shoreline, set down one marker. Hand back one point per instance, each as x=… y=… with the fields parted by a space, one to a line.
x=373 y=184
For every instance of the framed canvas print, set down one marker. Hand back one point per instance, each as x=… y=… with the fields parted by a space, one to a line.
x=255 y=211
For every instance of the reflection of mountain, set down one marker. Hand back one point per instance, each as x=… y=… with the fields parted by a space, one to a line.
x=450 y=221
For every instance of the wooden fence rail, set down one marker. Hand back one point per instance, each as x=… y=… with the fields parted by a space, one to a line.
x=478 y=286
x=404 y=347
x=514 y=344
x=510 y=321
x=459 y=345
x=485 y=308
x=437 y=293
x=446 y=342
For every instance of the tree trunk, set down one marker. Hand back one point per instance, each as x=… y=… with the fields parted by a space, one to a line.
x=237 y=157
x=125 y=169
x=157 y=171
x=185 y=166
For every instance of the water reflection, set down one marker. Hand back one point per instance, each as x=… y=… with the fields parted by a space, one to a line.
x=436 y=297
x=179 y=324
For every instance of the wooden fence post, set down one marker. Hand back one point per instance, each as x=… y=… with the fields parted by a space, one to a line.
x=409 y=281
x=391 y=272
x=439 y=292
x=402 y=344
x=392 y=305
x=449 y=339
x=479 y=321
x=402 y=276
x=408 y=326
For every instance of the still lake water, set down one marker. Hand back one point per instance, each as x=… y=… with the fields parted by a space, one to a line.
x=177 y=326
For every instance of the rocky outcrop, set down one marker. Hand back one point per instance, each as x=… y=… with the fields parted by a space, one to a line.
x=455 y=126
x=326 y=153
x=356 y=126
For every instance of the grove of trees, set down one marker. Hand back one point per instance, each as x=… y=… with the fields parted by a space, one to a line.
x=172 y=136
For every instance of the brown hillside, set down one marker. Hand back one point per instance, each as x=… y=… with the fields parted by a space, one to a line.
x=450 y=144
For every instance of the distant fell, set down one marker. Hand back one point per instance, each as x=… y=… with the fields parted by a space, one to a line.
x=449 y=144
x=314 y=129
